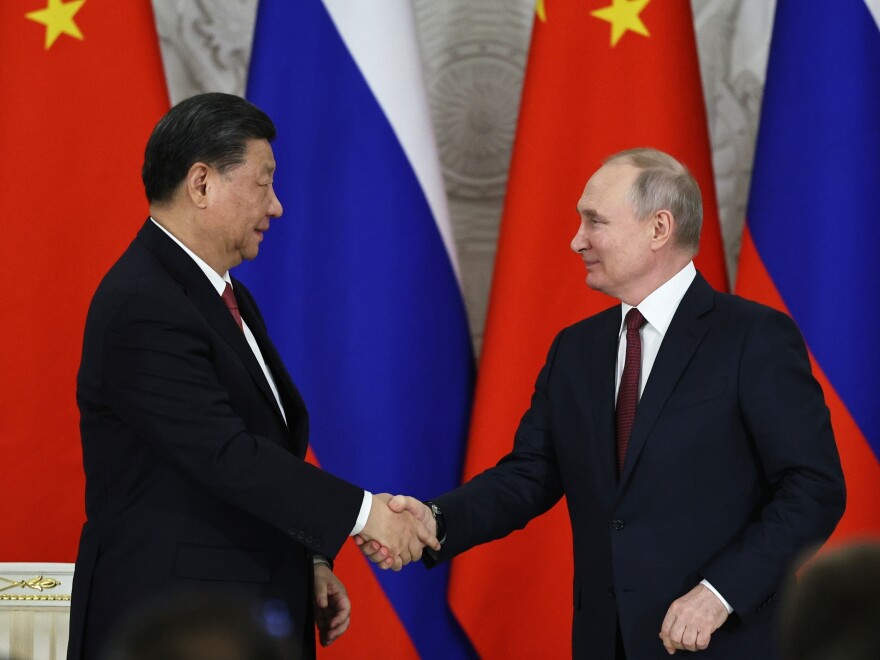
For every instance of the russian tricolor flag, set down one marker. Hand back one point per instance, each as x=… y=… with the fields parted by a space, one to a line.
x=813 y=229
x=358 y=284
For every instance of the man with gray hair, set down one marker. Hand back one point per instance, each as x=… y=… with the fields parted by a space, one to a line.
x=685 y=429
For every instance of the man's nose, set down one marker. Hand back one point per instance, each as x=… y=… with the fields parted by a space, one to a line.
x=275 y=208
x=579 y=242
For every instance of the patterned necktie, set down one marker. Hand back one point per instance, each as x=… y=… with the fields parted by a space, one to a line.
x=628 y=393
x=229 y=298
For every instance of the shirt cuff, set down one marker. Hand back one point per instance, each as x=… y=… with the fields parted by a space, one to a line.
x=720 y=597
x=321 y=559
x=361 y=521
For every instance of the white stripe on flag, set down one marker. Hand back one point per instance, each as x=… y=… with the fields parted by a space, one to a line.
x=382 y=40
x=874 y=8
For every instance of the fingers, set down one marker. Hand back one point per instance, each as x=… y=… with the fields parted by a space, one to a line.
x=397 y=531
x=397 y=503
x=428 y=535
x=321 y=579
x=691 y=620
x=676 y=635
x=666 y=632
x=685 y=639
x=426 y=529
x=417 y=508
x=376 y=552
x=395 y=534
x=702 y=641
x=341 y=606
x=333 y=617
x=336 y=630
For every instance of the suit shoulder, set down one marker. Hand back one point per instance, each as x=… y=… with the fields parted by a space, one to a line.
x=136 y=275
x=598 y=321
x=737 y=316
x=573 y=337
x=738 y=307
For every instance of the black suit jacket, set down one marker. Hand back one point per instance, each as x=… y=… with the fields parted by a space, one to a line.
x=731 y=471
x=192 y=476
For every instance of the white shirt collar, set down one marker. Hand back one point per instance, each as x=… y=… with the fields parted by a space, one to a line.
x=660 y=306
x=217 y=281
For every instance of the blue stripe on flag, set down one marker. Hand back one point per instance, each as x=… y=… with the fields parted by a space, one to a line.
x=814 y=196
x=358 y=290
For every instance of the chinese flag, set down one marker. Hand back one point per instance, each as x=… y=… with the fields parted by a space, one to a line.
x=82 y=88
x=602 y=76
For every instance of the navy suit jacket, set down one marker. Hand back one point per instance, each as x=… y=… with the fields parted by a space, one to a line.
x=192 y=476
x=731 y=472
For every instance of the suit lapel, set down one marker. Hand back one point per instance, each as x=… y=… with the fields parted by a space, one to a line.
x=604 y=356
x=203 y=295
x=684 y=335
x=288 y=393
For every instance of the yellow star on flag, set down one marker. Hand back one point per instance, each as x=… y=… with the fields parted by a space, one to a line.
x=58 y=19
x=541 y=11
x=623 y=15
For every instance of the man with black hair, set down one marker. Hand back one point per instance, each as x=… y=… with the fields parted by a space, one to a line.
x=193 y=434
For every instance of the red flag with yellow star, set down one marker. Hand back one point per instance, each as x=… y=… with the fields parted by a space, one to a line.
x=82 y=87
x=602 y=76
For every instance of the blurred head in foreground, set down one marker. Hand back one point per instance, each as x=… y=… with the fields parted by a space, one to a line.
x=833 y=611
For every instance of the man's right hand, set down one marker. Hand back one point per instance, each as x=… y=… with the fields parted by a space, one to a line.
x=397 y=530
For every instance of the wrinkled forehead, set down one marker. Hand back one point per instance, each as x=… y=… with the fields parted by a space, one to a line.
x=611 y=183
x=259 y=158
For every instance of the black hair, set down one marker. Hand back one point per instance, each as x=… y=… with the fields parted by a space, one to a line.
x=212 y=128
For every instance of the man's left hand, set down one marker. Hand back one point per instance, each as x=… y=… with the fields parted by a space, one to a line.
x=332 y=606
x=691 y=620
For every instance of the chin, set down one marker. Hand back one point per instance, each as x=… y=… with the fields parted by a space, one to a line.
x=594 y=282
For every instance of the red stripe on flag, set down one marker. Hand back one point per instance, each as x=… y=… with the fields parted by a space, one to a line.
x=74 y=122
x=860 y=467
x=370 y=610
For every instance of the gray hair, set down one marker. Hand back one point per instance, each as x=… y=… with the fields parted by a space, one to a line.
x=664 y=183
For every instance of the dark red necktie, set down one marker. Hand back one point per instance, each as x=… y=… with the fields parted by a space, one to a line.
x=229 y=298
x=628 y=393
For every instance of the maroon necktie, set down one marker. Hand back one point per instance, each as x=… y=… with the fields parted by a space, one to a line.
x=628 y=393
x=229 y=298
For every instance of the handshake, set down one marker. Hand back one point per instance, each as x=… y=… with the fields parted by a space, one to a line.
x=398 y=529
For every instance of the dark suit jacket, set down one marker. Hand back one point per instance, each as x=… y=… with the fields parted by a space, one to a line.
x=192 y=477
x=731 y=471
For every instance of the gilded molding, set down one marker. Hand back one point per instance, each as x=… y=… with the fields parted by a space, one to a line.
x=38 y=583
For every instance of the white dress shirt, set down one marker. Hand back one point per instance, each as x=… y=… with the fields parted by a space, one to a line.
x=658 y=309
x=219 y=283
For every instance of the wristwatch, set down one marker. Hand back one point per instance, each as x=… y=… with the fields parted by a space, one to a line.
x=439 y=520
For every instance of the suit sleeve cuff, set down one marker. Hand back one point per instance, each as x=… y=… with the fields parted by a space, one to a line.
x=720 y=597
x=364 y=513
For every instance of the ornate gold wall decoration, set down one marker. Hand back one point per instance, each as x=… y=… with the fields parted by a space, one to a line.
x=38 y=583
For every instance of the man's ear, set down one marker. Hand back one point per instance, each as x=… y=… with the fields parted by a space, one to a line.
x=662 y=225
x=197 y=184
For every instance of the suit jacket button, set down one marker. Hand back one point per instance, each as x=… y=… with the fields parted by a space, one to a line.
x=301 y=536
x=611 y=592
x=617 y=524
x=309 y=539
